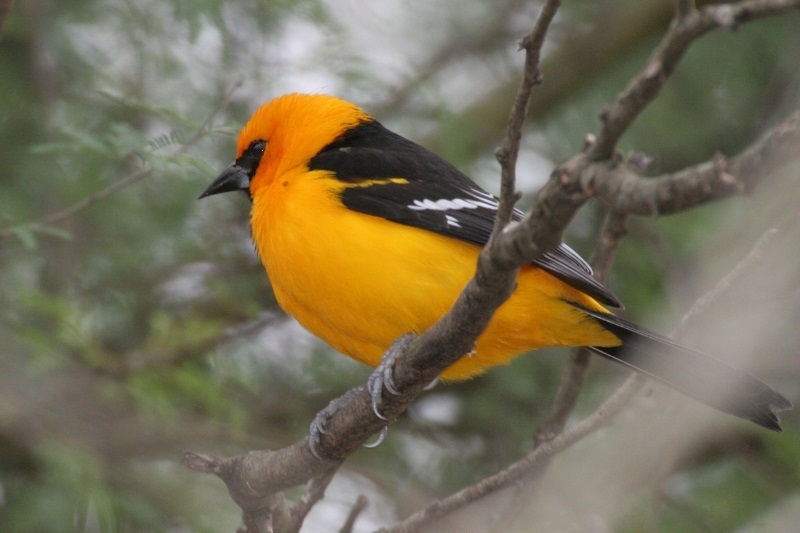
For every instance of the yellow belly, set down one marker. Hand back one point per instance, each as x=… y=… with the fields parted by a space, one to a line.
x=359 y=282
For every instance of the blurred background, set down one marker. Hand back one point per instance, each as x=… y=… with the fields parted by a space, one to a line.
x=136 y=322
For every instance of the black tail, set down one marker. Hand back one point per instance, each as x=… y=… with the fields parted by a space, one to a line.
x=695 y=374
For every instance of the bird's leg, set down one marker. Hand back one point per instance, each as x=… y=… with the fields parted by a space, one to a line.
x=382 y=378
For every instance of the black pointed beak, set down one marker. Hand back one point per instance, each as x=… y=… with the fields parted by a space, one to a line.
x=233 y=178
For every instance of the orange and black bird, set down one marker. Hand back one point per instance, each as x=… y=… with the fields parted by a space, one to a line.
x=367 y=236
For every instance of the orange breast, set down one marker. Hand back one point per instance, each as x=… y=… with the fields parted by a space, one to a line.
x=359 y=282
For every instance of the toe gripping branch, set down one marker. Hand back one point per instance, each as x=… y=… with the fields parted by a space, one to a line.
x=379 y=384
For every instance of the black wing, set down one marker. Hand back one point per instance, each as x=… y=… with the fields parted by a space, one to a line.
x=436 y=197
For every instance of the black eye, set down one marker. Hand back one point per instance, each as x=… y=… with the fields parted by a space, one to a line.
x=251 y=157
x=257 y=148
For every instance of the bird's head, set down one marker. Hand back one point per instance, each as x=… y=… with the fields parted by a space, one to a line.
x=283 y=134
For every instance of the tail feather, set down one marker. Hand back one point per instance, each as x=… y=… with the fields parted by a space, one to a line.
x=695 y=374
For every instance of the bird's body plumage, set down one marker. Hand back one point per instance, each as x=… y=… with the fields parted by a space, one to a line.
x=367 y=236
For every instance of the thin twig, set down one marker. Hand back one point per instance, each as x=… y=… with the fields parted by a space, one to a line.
x=615 y=228
x=659 y=67
x=753 y=257
x=538 y=457
x=571 y=382
x=509 y=150
x=315 y=492
x=357 y=508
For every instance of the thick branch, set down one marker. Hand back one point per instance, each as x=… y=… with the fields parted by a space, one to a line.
x=538 y=458
x=256 y=478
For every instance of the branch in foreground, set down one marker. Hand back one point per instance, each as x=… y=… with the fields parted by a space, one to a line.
x=423 y=358
x=508 y=151
x=535 y=461
x=538 y=457
x=256 y=479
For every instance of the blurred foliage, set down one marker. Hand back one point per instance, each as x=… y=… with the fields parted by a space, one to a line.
x=141 y=324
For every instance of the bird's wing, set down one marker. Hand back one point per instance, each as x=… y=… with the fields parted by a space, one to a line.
x=405 y=183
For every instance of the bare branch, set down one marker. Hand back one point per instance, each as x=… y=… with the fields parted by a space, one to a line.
x=509 y=151
x=571 y=382
x=360 y=504
x=753 y=257
x=261 y=496
x=659 y=67
x=615 y=228
x=626 y=191
x=256 y=477
x=315 y=493
x=537 y=459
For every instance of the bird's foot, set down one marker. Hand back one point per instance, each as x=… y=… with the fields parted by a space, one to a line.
x=319 y=425
x=382 y=378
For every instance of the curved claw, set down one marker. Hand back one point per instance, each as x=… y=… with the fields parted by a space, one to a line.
x=431 y=385
x=316 y=430
x=379 y=380
x=379 y=440
x=382 y=378
x=318 y=427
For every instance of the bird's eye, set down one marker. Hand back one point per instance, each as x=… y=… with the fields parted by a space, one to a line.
x=257 y=148
x=251 y=157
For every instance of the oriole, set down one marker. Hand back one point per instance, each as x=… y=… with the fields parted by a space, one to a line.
x=366 y=236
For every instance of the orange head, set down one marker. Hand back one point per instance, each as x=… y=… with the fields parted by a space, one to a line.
x=283 y=134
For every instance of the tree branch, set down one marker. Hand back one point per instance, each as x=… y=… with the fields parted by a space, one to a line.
x=359 y=505
x=255 y=478
x=571 y=382
x=534 y=463
x=659 y=67
x=508 y=152
x=624 y=189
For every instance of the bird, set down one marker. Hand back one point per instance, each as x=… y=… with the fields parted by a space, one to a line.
x=367 y=236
